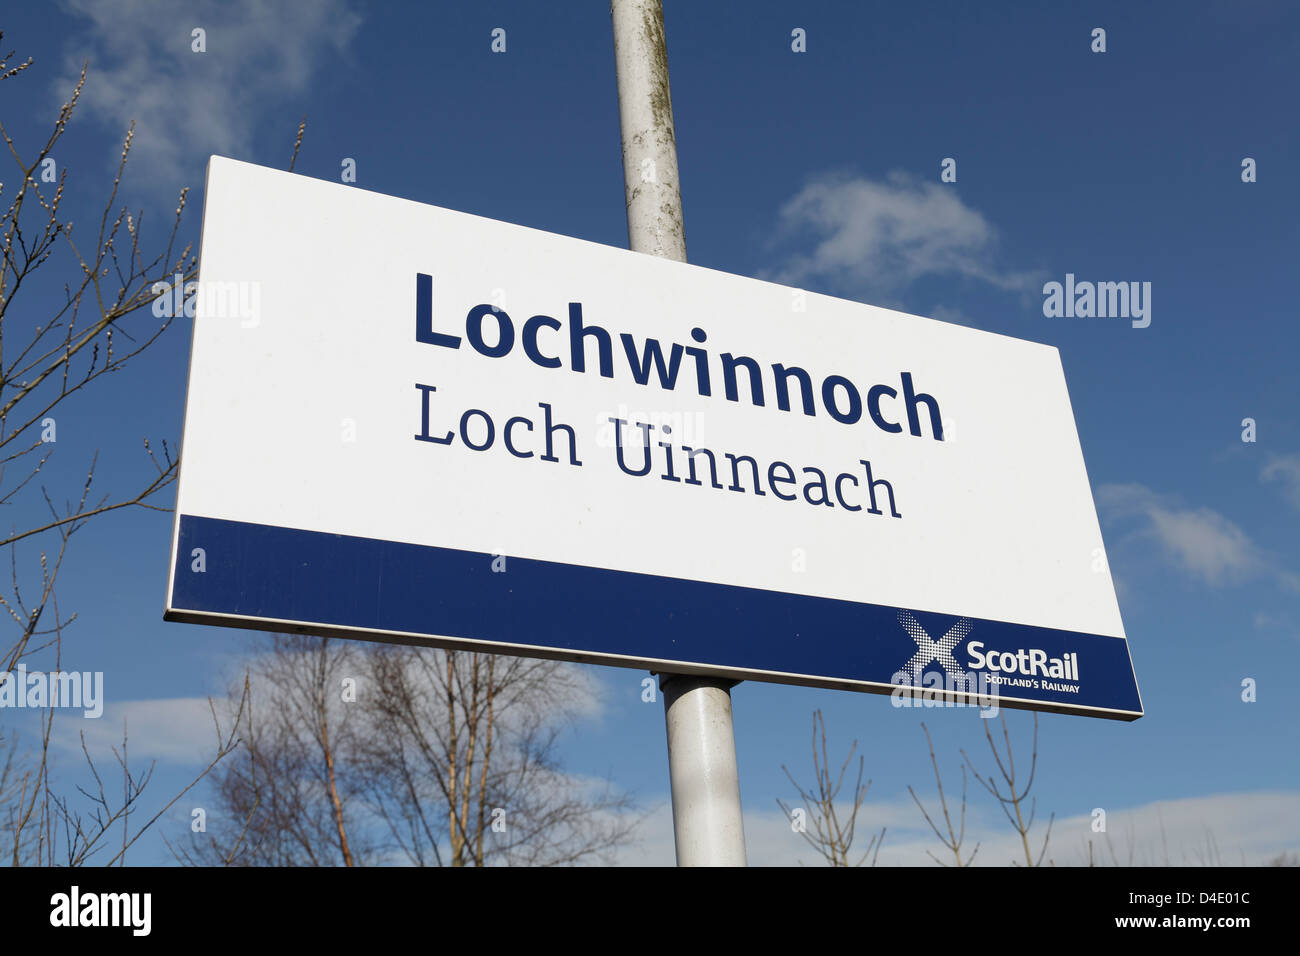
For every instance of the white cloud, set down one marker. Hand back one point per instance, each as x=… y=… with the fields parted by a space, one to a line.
x=770 y=841
x=1265 y=621
x=178 y=729
x=1286 y=470
x=1226 y=829
x=188 y=105
x=885 y=235
x=1199 y=541
x=1229 y=829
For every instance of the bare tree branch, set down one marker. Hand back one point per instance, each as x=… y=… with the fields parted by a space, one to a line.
x=832 y=838
x=1012 y=801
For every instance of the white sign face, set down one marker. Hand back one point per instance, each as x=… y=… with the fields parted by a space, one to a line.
x=407 y=423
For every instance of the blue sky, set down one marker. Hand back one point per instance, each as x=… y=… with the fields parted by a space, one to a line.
x=1115 y=166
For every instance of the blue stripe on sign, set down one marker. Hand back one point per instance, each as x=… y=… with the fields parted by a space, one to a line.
x=337 y=581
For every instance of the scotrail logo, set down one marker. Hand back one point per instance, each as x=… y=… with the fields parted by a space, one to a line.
x=1024 y=666
x=988 y=670
x=956 y=688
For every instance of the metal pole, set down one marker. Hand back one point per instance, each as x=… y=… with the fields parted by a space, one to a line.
x=707 y=824
x=645 y=112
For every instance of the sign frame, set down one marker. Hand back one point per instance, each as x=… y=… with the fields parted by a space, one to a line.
x=267 y=576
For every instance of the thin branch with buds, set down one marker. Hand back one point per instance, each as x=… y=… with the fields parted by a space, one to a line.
x=955 y=837
x=1012 y=801
x=831 y=836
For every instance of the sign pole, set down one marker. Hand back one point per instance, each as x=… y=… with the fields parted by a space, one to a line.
x=707 y=824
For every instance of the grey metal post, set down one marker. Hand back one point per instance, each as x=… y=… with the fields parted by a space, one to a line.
x=707 y=823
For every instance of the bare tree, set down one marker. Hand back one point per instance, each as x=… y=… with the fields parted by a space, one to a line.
x=13 y=840
x=99 y=323
x=1010 y=793
x=280 y=799
x=831 y=837
x=77 y=344
x=466 y=772
x=953 y=838
x=438 y=758
x=86 y=834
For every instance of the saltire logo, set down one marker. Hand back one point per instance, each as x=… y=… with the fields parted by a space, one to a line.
x=928 y=650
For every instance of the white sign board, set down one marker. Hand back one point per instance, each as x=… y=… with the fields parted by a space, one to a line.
x=407 y=423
